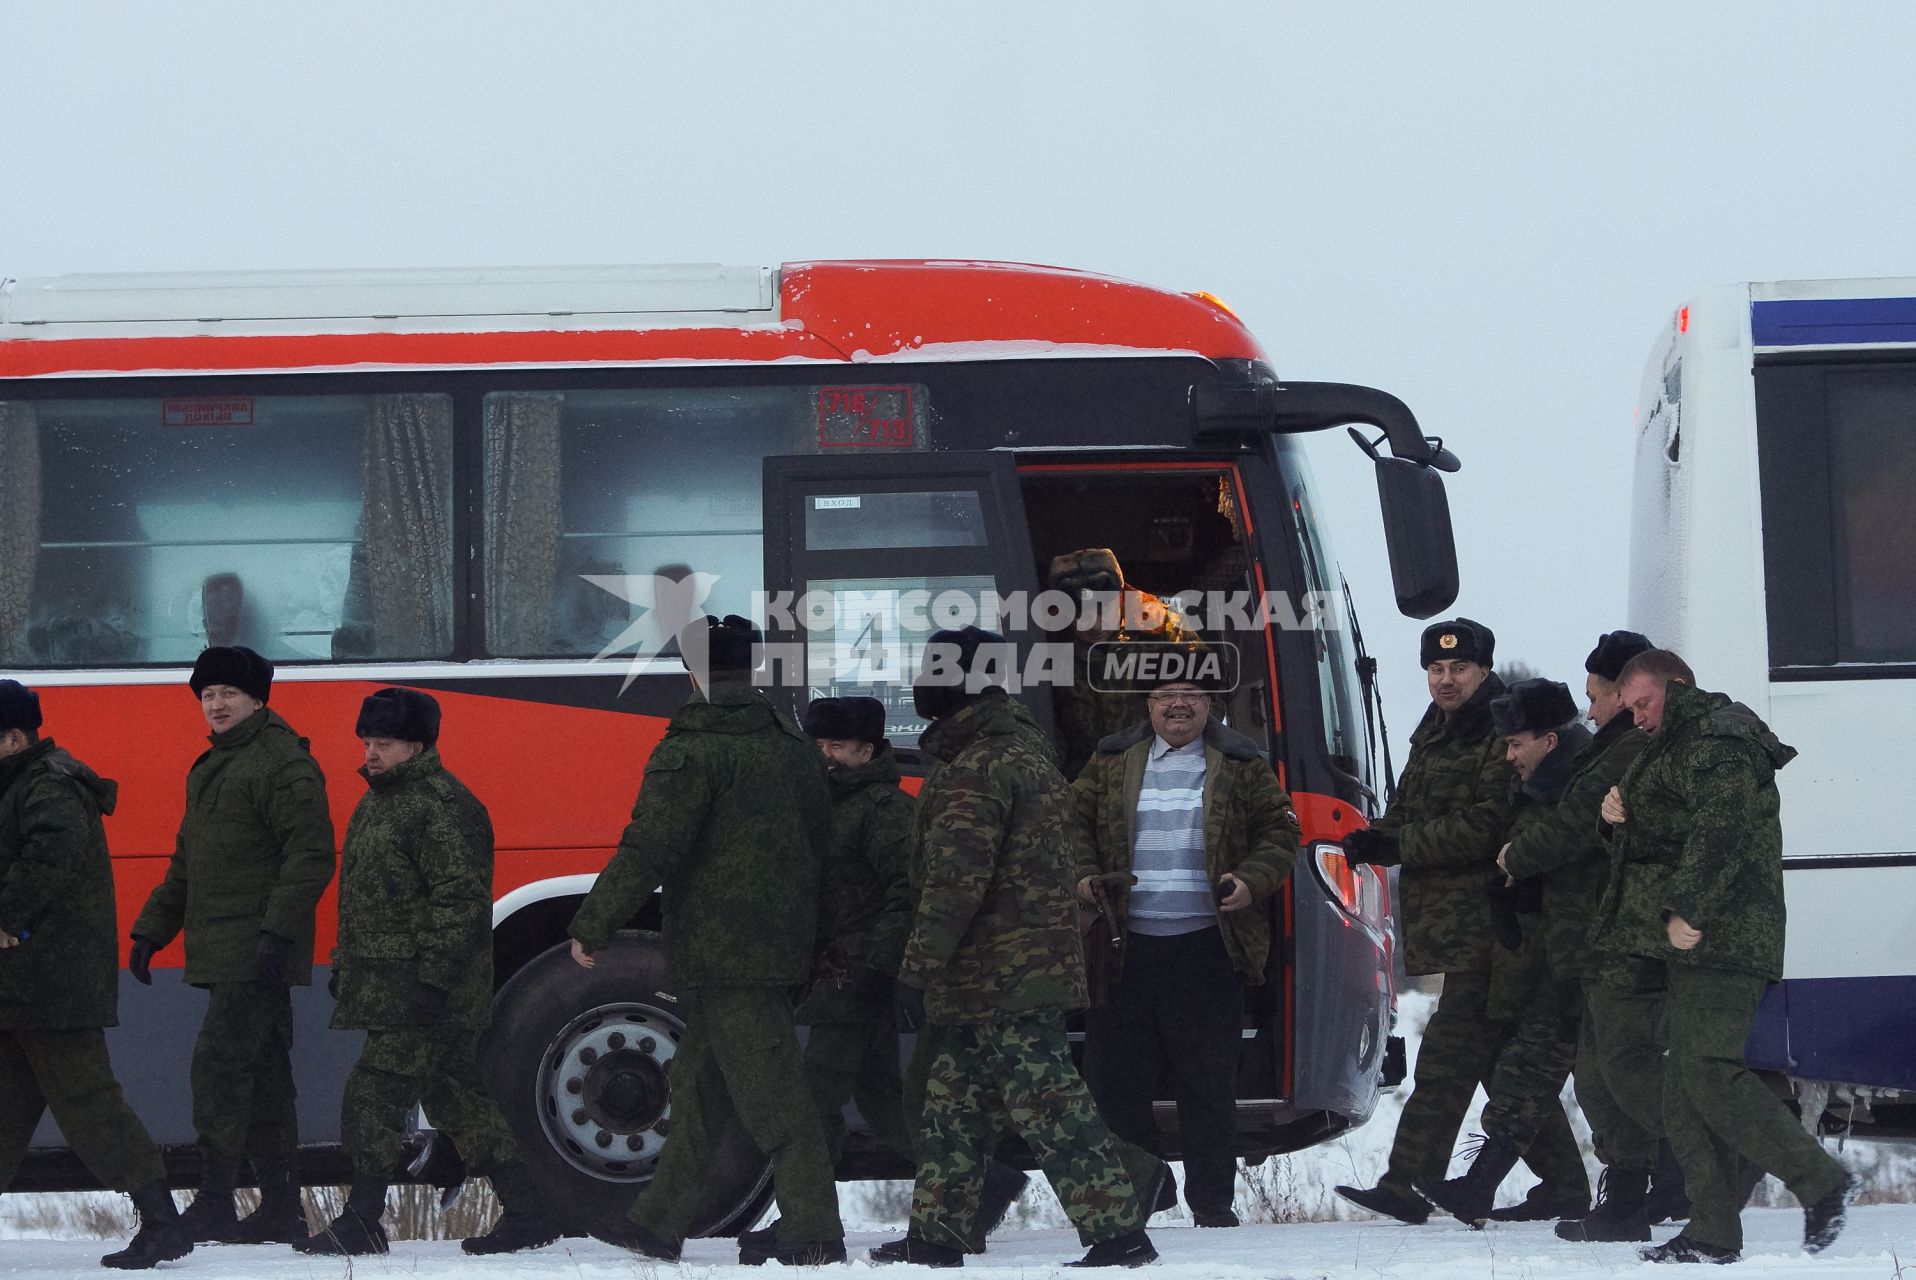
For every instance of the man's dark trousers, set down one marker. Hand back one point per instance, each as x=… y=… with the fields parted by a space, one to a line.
x=1177 y=1012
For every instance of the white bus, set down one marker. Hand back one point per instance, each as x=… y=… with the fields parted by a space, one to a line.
x=1773 y=545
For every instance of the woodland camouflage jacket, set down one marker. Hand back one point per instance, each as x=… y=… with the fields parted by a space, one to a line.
x=56 y=884
x=995 y=933
x=415 y=899
x=1702 y=838
x=1450 y=815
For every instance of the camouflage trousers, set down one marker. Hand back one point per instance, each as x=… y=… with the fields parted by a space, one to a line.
x=1525 y=1089
x=244 y=1102
x=1620 y=1064
x=1715 y=1108
x=858 y=1061
x=1021 y=1067
x=431 y=1067
x=67 y=1072
x=739 y=1058
x=1459 y=1051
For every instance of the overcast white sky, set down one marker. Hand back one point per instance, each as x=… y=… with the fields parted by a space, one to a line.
x=1487 y=209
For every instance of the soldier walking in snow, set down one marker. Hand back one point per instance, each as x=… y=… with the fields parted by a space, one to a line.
x=413 y=968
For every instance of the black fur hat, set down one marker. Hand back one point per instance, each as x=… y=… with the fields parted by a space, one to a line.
x=1533 y=706
x=1459 y=638
x=939 y=690
x=234 y=665
x=1614 y=648
x=854 y=719
x=725 y=643
x=404 y=715
x=19 y=708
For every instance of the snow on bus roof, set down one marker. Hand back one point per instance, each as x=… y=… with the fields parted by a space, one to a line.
x=232 y=322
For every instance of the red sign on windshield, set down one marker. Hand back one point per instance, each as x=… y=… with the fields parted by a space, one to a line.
x=872 y=417
x=208 y=411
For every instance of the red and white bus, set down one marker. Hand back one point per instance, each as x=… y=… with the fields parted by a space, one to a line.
x=471 y=482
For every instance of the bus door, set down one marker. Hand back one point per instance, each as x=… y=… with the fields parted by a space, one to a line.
x=866 y=556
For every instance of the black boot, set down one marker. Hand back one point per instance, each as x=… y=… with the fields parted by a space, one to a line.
x=1392 y=1204
x=1619 y=1214
x=161 y=1237
x=1132 y=1249
x=280 y=1218
x=1471 y=1197
x=791 y=1253
x=356 y=1230
x=918 y=1252
x=211 y=1215
x=1668 y=1201
x=627 y=1234
x=1544 y=1204
x=524 y=1222
x=1003 y=1186
x=1680 y=1248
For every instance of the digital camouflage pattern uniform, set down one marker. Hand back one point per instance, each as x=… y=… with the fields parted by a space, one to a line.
x=864 y=901
x=733 y=822
x=995 y=946
x=1538 y=1005
x=1449 y=817
x=415 y=907
x=1564 y=849
x=1703 y=839
x=254 y=854
x=59 y=988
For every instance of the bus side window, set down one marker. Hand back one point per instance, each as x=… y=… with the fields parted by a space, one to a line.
x=141 y=530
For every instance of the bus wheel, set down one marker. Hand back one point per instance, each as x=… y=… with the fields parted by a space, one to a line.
x=577 y=1060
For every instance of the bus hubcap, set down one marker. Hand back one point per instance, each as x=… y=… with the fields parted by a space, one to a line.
x=603 y=1098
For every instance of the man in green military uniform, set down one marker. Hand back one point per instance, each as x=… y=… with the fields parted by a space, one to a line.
x=992 y=966
x=1544 y=744
x=732 y=822
x=1702 y=890
x=1445 y=828
x=1619 y=1062
x=413 y=969
x=254 y=853
x=864 y=911
x=59 y=980
x=1186 y=821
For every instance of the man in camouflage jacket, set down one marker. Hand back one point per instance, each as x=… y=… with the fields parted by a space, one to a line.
x=412 y=967
x=254 y=853
x=992 y=966
x=1193 y=813
x=1444 y=829
x=733 y=822
x=1699 y=886
x=1544 y=743
x=864 y=912
x=59 y=978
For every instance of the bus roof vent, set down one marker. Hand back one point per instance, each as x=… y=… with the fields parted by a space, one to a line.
x=433 y=294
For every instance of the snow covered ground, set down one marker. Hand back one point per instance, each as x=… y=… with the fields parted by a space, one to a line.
x=1297 y=1227
x=1874 y=1247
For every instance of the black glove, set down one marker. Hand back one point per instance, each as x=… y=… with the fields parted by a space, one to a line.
x=430 y=1003
x=908 y=1006
x=139 y=961
x=269 y=958
x=1504 y=925
x=332 y=982
x=1368 y=844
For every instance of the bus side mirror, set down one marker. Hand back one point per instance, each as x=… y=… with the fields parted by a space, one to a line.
x=1423 y=551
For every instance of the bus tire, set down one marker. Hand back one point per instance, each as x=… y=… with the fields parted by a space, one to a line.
x=576 y=1059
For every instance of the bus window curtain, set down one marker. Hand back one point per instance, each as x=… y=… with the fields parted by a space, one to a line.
x=19 y=522
x=523 y=516
x=408 y=525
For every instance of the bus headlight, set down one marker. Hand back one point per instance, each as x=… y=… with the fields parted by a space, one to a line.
x=1358 y=889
